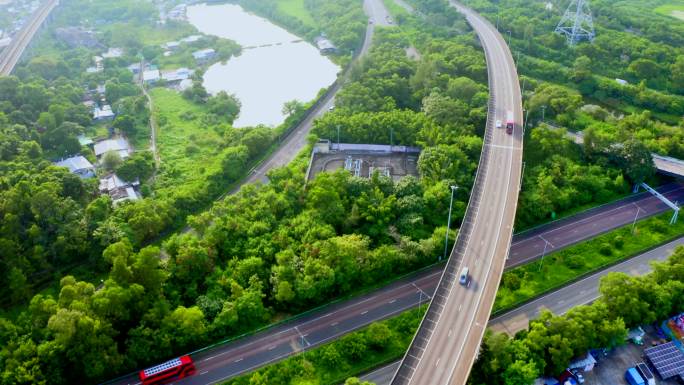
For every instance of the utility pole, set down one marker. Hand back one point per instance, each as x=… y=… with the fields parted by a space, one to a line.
x=635 y=219
x=338 y=137
x=446 y=236
x=546 y=243
x=543 y=110
x=509 y=38
x=392 y=136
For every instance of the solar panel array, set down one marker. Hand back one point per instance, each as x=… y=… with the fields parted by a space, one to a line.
x=667 y=359
x=162 y=367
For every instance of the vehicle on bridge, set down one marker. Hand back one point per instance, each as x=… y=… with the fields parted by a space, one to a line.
x=510 y=122
x=167 y=372
x=464 y=279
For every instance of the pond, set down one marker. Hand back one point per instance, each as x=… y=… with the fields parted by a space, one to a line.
x=275 y=66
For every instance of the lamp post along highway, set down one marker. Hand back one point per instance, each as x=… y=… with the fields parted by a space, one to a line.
x=635 y=219
x=446 y=236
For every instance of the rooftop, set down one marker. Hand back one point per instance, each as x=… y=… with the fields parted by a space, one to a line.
x=76 y=163
x=116 y=144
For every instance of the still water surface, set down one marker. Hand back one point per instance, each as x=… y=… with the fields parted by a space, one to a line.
x=280 y=68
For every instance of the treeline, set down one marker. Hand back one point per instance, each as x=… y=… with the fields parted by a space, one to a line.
x=551 y=342
x=342 y=21
x=627 y=45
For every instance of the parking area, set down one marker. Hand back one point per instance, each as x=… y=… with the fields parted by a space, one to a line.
x=610 y=370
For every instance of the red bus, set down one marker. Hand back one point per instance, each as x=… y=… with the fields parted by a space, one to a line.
x=169 y=371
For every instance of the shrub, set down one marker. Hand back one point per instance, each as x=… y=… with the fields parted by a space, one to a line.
x=618 y=242
x=606 y=249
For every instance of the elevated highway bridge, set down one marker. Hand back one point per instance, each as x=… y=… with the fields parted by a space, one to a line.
x=11 y=55
x=448 y=339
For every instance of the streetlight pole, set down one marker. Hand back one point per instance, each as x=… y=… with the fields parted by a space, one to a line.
x=635 y=219
x=543 y=110
x=546 y=243
x=338 y=137
x=446 y=236
x=392 y=136
x=509 y=37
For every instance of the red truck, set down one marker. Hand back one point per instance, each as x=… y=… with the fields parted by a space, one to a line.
x=510 y=122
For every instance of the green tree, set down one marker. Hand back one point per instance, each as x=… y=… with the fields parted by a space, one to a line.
x=111 y=160
x=636 y=161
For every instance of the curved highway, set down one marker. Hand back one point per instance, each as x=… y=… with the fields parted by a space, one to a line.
x=447 y=342
x=12 y=53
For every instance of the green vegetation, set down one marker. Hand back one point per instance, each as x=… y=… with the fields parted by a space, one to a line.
x=674 y=9
x=552 y=341
x=331 y=364
x=297 y=8
x=189 y=146
x=279 y=248
x=343 y=21
x=557 y=269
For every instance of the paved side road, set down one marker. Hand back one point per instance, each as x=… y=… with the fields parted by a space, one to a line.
x=296 y=140
x=559 y=302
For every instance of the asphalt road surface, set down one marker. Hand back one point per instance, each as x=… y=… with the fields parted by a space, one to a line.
x=254 y=351
x=579 y=293
x=447 y=342
x=530 y=245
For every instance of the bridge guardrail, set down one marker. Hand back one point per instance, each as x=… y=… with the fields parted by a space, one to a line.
x=438 y=300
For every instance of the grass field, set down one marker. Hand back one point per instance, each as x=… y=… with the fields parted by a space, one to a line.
x=188 y=149
x=531 y=280
x=297 y=9
x=674 y=9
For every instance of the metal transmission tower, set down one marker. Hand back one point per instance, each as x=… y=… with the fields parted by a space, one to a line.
x=577 y=23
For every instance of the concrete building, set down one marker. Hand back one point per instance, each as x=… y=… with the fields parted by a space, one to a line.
x=103 y=113
x=118 y=189
x=171 y=46
x=174 y=77
x=204 y=55
x=192 y=39
x=325 y=45
x=151 y=76
x=78 y=165
x=119 y=145
x=363 y=160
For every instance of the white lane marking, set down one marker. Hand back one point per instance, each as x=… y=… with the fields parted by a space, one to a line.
x=204 y=372
x=392 y=301
x=364 y=312
x=437 y=363
x=450 y=331
x=239 y=359
x=505 y=147
x=334 y=324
